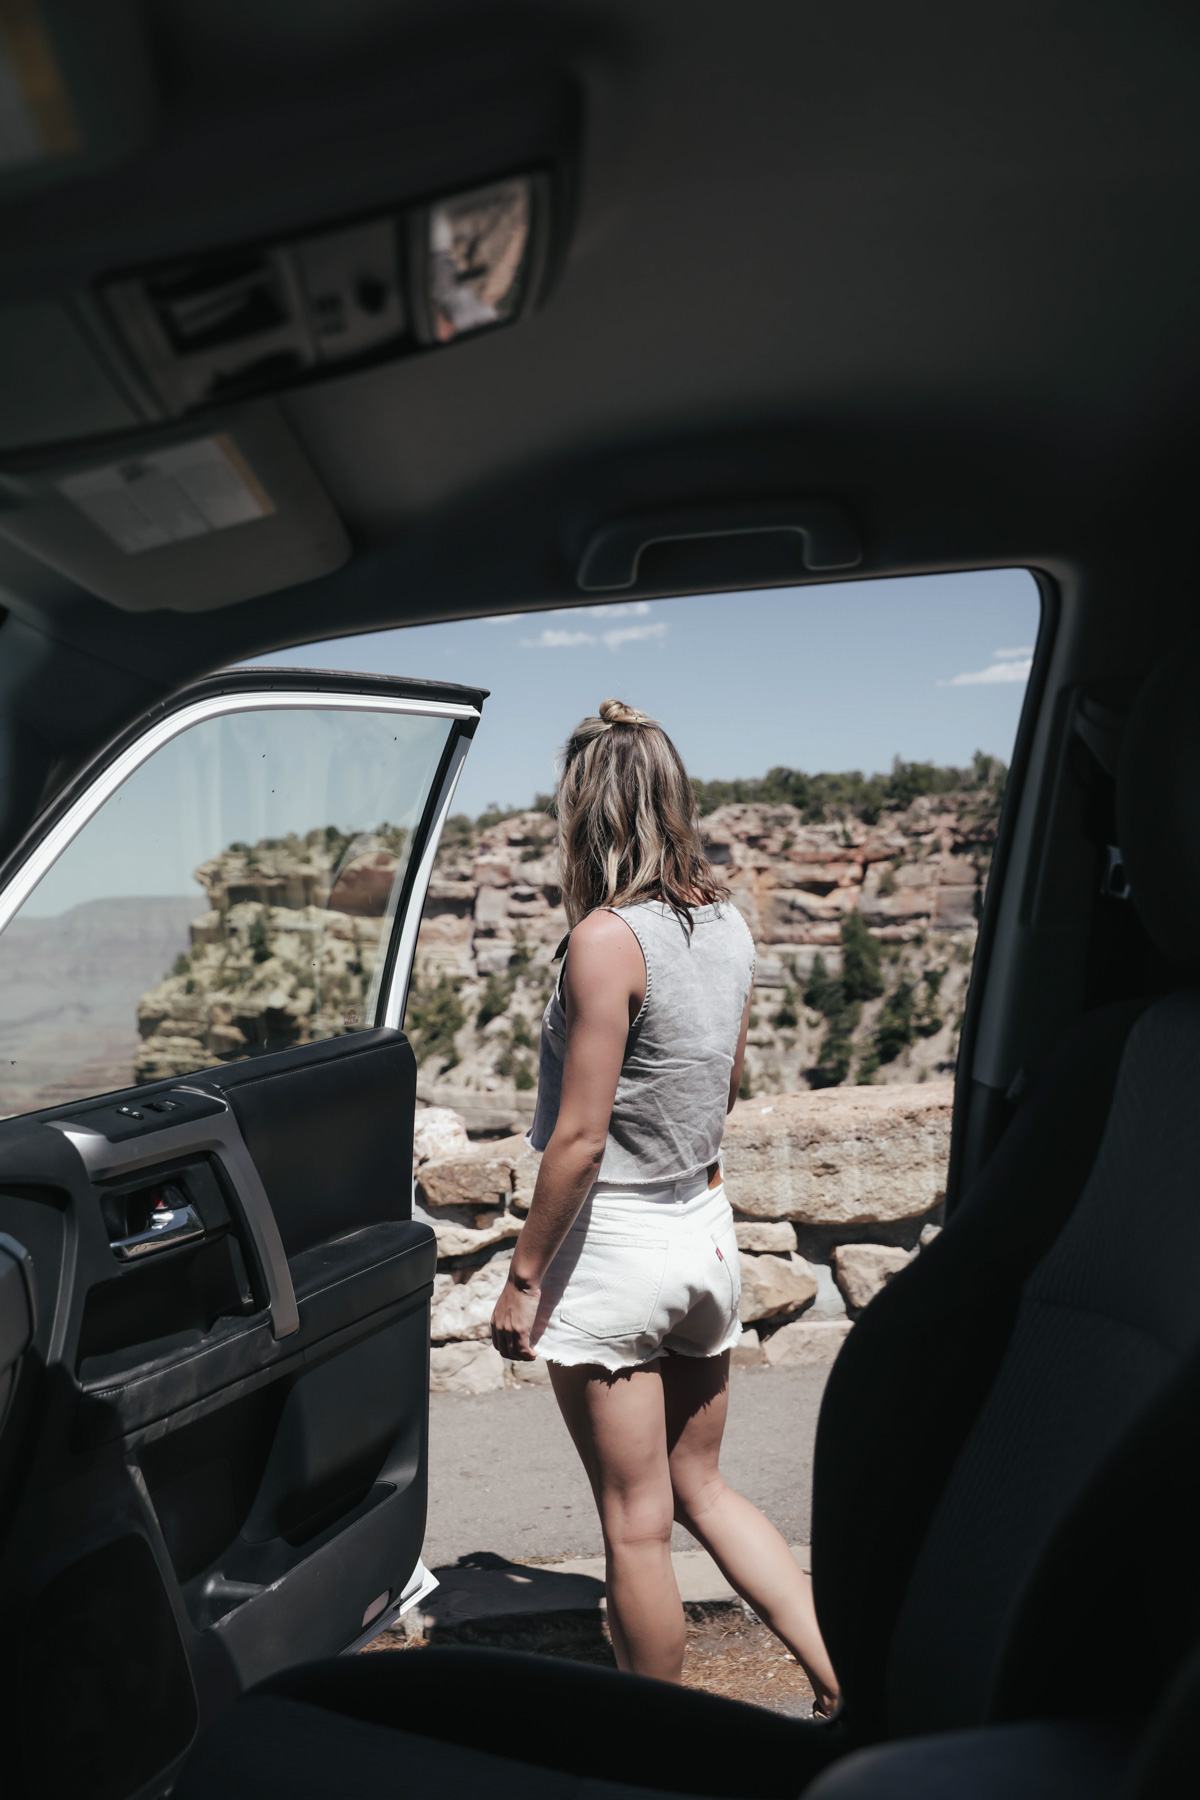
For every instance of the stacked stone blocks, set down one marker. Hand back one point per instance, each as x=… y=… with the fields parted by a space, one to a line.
x=833 y=1193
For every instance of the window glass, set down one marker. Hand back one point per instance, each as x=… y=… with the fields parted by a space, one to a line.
x=235 y=895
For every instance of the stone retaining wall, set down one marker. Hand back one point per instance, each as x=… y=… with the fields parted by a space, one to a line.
x=833 y=1192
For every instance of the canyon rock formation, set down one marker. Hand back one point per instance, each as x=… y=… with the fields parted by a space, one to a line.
x=494 y=920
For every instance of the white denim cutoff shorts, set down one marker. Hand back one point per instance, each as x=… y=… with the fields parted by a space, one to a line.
x=641 y=1272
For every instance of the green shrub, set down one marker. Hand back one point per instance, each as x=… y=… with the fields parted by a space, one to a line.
x=432 y=1018
x=861 y=975
x=524 y=1078
x=259 y=937
x=821 y=987
x=850 y=793
x=786 y=1019
x=837 y=1048
x=896 y=1027
x=497 y=993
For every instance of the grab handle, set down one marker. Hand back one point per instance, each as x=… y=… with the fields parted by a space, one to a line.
x=610 y=561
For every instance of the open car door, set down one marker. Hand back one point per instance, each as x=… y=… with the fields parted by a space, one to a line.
x=214 y=1399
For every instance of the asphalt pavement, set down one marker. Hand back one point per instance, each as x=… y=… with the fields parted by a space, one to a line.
x=504 y=1477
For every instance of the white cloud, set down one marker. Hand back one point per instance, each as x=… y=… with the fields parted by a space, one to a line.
x=554 y=637
x=622 y=609
x=1010 y=665
x=634 y=634
x=618 y=609
x=551 y=639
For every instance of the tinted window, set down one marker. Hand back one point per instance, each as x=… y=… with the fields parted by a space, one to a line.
x=235 y=894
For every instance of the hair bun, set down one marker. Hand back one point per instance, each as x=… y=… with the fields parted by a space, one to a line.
x=615 y=712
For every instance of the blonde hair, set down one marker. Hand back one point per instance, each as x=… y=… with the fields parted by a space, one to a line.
x=628 y=824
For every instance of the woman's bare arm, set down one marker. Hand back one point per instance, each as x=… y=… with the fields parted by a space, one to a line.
x=739 y=1056
x=604 y=990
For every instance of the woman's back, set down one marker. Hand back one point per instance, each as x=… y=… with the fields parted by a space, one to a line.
x=669 y=1114
x=673 y=1093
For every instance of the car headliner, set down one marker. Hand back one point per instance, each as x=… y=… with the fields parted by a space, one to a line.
x=937 y=263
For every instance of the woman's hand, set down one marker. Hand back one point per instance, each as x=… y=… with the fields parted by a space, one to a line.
x=512 y=1321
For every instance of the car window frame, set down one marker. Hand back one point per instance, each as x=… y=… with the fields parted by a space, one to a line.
x=270 y=690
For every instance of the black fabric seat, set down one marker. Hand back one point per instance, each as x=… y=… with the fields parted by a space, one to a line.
x=1007 y=1474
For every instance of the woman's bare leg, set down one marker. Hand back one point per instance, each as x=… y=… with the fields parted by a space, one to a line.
x=618 y=1424
x=746 y=1547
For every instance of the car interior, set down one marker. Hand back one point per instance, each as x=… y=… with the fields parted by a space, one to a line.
x=323 y=317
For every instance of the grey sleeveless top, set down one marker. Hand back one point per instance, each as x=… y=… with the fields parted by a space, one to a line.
x=668 y=1117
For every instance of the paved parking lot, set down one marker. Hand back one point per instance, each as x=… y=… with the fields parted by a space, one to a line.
x=504 y=1476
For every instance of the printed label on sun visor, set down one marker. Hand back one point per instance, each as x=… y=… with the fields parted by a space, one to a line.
x=167 y=496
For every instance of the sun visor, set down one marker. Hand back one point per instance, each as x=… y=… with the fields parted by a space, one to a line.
x=186 y=521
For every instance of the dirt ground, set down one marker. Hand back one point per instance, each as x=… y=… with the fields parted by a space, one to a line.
x=728 y=1651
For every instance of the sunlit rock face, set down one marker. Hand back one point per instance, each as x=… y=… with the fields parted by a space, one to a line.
x=285 y=951
x=494 y=920
x=844 y=1156
x=284 y=954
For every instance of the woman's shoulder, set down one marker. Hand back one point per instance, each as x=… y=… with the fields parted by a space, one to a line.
x=600 y=927
x=602 y=935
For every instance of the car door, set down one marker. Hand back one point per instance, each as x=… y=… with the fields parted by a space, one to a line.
x=213 y=1406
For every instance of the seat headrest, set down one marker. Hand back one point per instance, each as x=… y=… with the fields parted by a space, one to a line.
x=1158 y=805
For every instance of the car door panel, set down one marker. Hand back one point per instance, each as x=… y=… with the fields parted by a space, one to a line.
x=215 y=1448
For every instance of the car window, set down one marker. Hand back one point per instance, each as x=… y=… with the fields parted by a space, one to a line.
x=235 y=894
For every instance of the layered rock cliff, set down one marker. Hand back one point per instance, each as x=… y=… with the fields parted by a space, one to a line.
x=284 y=954
x=864 y=936
x=915 y=879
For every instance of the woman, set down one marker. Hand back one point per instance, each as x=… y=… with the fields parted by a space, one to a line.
x=625 y=1276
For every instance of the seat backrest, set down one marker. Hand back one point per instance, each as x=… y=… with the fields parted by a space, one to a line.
x=1104 y=1323
x=1008 y=1378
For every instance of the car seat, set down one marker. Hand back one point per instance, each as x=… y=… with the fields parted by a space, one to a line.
x=1005 y=1554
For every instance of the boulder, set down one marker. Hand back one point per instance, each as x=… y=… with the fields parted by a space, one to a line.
x=465 y=1369
x=525 y=1164
x=773 y=1284
x=843 y=1156
x=802 y=1344
x=457 y=1240
x=465 y=1312
x=438 y=1132
x=471 y=1180
x=762 y=1235
x=748 y=1349
x=862 y=1269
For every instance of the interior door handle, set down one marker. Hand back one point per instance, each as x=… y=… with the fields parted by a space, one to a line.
x=613 y=553
x=178 y=1227
x=216 y=1134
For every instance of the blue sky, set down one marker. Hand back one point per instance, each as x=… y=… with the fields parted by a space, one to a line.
x=843 y=676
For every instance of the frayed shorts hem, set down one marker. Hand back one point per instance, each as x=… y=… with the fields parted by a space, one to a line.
x=602 y=1356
